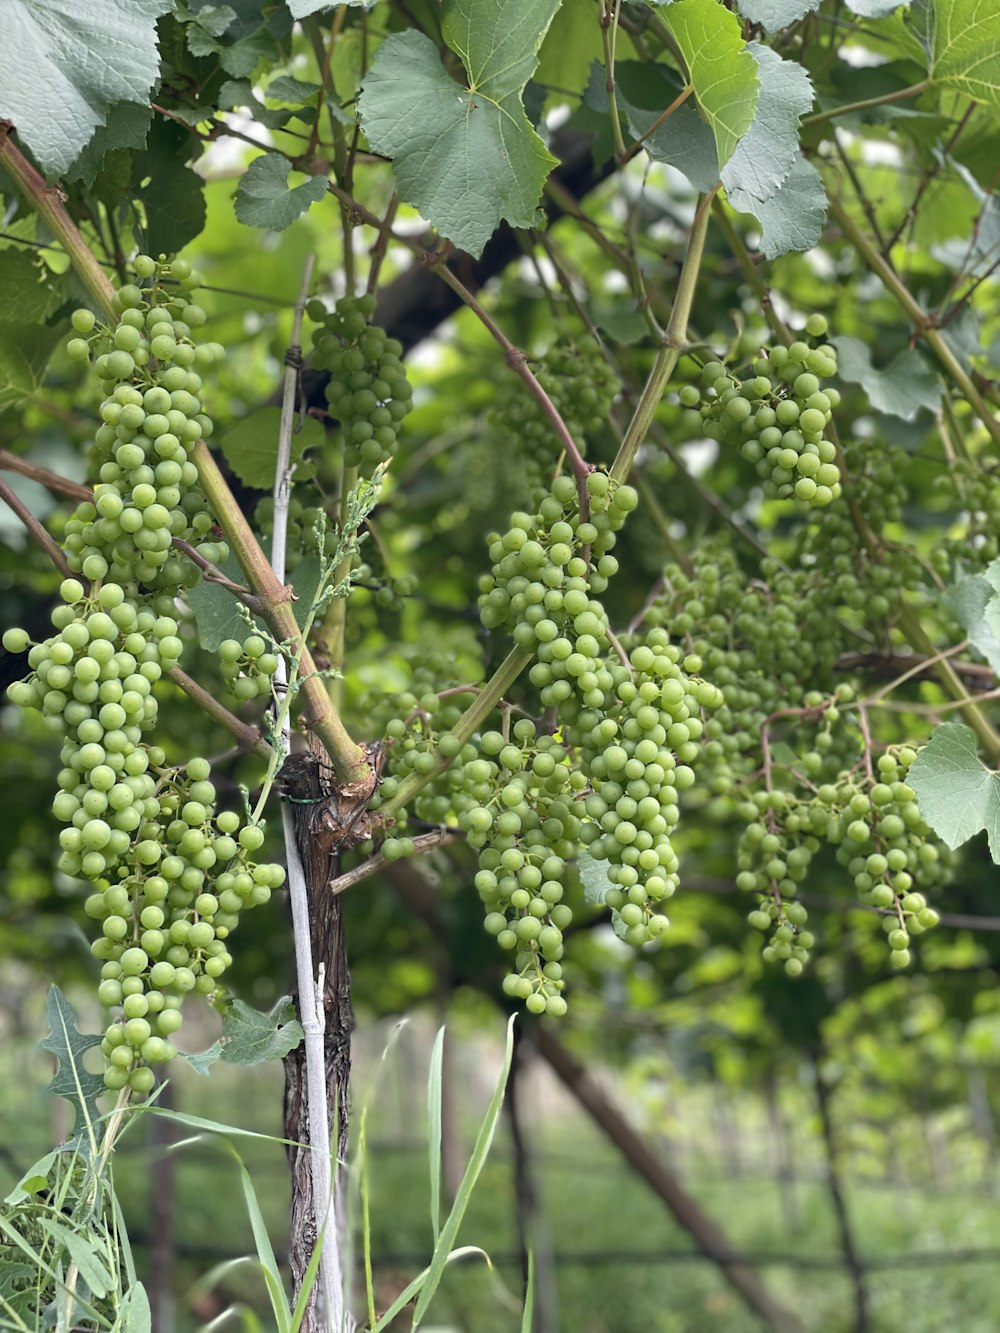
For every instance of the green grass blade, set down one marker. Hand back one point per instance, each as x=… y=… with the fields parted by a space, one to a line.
x=308 y=1280
x=434 y=1082
x=366 y=1228
x=529 y=1293
x=449 y=1231
x=211 y=1126
x=265 y=1253
x=414 y=1287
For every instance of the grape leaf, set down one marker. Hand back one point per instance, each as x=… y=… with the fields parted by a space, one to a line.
x=301 y=9
x=763 y=159
x=958 y=795
x=65 y=63
x=466 y=157
x=71 y=1080
x=683 y=141
x=174 y=198
x=722 y=71
x=127 y=127
x=793 y=217
x=250 y=1037
x=216 y=610
x=773 y=15
x=968 y=600
x=594 y=878
x=905 y=385
x=24 y=353
x=875 y=9
x=288 y=89
x=240 y=93
x=251 y=446
x=263 y=198
x=966 y=47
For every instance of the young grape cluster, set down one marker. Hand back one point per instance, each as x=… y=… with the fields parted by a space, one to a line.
x=777 y=416
x=582 y=387
x=147 y=493
x=525 y=823
x=637 y=745
x=548 y=569
x=247 y=667
x=368 y=391
x=170 y=875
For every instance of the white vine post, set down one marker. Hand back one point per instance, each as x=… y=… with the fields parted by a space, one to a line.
x=311 y=1011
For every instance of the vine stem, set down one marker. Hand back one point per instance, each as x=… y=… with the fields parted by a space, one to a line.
x=900 y=95
x=516 y=359
x=673 y=341
x=50 y=480
x=466 y=727
x=923 y=322
x=247 y=736
x=424 y=842
x=346 y=757
x=35 y=529
x=311 y=1009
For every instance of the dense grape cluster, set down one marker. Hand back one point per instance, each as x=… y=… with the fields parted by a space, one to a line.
x=777 y=416
x=368 y=391
x=167 y=916
x=887 y=849
x=147 y=493
x=582 y=387
x=525 y=823
x=637 y=744
x=170 y=875
x=549 y=567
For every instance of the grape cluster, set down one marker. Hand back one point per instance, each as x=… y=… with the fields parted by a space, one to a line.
x=637 y=745
x=170 y=875
x=525 y=821
x=773 y=858
x=777 y=416
x=368 y=391
x=167 y=916
x=92 y=680
x=147 y=493
x=247 y=668
x=758 y=639
x=548 y=569
x=887 y=849
x=582 y=387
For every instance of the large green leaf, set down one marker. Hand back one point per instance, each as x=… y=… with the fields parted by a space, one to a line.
x=773 y=15
x=249 y=1037
x=65 y=63
x=764 y=158
x=793 y=217
x=251 y=446
x=966 y=47
x=466 y=157
x=971 y=601
x=959 y=796
x=71 y=1080
x=721 y=69
x=905 y=385
x=263 y=197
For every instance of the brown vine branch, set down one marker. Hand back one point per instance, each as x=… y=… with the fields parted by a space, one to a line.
x=52 y=481
x=424 y=842
x=36 y=530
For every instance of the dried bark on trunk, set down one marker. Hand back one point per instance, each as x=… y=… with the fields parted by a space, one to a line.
x=326 y=821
